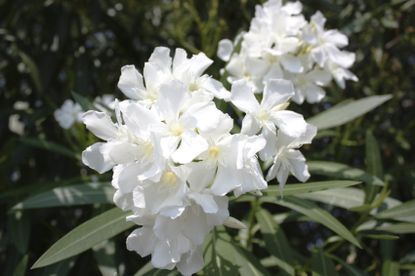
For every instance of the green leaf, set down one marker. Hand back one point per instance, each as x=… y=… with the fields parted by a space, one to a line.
x=275 y=241
x=346 y=112
x=317 y=214
x=84 y=102
x=381 y=237
x=50 y=146
x=104 y=254
x=373 y=156
x=342 y=171
x=390 y=268
x=404 y=212
x=60 y=269
x=398 y=228
x=21 y=267
x=89 y=193
x=238 y=258
x=19 y=229
x=294 y=189
x=352 y=270
x=321 y=265
x=347 y=198
x=85 y=236
x=149 y=270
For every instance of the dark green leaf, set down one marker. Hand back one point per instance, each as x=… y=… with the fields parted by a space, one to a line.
x=84 y=102
x=21 y=267
x=50 y=146
x=342 y=171
x=317 y=214
x=322 y=265
x=275 y=241
x=89 y=193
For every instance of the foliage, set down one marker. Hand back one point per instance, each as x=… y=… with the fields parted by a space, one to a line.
x=49 y=49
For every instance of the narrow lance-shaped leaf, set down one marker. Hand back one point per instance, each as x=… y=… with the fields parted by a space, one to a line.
x=346 y=112
x=89 y=193
x=373 y=163
x=294 y=189
x=342 y=171
x=340 y=197
x=85 y=236
x=403 y=212
x=275 y=241
x=50 y=146
x=322 y=265
x=316 y=214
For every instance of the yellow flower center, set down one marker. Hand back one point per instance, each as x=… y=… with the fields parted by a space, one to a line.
x=213 y=152
x=193 y=87
x=169 y=178
x=176 y=129
x=263 y=115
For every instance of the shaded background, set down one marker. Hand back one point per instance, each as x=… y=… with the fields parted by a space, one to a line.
x=50 y=48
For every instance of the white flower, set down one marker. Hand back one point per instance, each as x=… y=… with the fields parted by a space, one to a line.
x=288 y=159
x=161 y=68
x=270 y=113
x=68 y=114
x=281 y=44
x=177 y=242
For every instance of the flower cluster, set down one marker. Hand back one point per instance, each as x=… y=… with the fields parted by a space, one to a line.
x=70 y=112
x=281 y=44
x=175 y=159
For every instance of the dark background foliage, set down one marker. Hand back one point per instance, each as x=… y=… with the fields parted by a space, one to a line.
x=50 y=48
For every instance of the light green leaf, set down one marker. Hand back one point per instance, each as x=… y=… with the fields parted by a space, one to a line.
x=294 y=189
x=321 y=265
x=50 y=146
x=390 y=268
x=342 y=171
x=317 y=214
x=341 y=197
x=346 y=112
x=89 y=193
x=404 y=212
x=398 y=228
x=275 y=241
x=85 y=236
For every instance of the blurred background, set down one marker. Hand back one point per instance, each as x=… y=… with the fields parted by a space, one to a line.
x=52 y=48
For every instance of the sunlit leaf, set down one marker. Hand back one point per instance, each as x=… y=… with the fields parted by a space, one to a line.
x=85 y=236
x=398 y=228
x=403 y=212
x=294 y=189
x=346 y=112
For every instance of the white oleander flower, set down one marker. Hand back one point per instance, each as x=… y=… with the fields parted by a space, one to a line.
x=288 y=159
x=177 y=241
x=161 y=68
x=270 y=113
x=68 y=114
x=281 y=44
